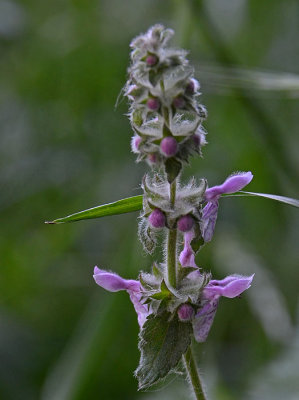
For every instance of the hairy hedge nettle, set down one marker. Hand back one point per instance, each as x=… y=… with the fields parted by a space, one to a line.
x=176 y=301
x=166 y=118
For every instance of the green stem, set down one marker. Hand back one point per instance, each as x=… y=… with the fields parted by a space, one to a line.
x=172 y=193
x=194 y=376
x=172 y=243
x=171 y=257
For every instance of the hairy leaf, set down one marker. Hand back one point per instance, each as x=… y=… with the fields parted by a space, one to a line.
x=146 y=236
x=162 y=343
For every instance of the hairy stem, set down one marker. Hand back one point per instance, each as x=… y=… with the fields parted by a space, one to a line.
x=172 y=243
x=193 y=375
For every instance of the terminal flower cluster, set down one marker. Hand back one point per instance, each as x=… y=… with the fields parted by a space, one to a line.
x=165 y=113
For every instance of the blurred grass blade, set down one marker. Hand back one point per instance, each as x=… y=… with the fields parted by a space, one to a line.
x=281 y=199
x=123 y=206
x=257 y=81
x=134 y=203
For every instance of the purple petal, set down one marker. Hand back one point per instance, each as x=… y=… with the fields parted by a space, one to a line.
x=231 y=286
x=209 y=218
x=187 y=257
x=203 y=320
x=142 y=310
x=194 y=275
x=232 y=184
x=113 y=282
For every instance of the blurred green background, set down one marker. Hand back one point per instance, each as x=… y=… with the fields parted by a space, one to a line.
x=65 y=147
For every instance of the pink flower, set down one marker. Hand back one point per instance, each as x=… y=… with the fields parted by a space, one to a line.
x=113 y=283
x=187 y=257
x=232 y=184
x=231 y=286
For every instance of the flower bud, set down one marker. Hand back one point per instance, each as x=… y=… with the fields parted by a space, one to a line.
x=179 y=102
x=131 y=91
x=169 y=146
x=153 y=104
x=199 y=139
x=151 y=60
x=185 y=312
x=192 y=87
x=152 y=158
x=185 y=223
x=135 y=142
x=157 y=219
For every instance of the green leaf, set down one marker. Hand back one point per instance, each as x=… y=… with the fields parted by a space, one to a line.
x=281 y=199
x=198 y=241
x=162 y=343
x=163 y=293
x=123 y=206
x=173 y=168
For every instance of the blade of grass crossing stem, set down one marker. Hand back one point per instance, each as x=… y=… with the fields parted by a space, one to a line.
x=132 y=204
x=282 y=199
x=123 y=206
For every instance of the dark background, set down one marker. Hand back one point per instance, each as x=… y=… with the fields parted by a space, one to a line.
x=65 y=147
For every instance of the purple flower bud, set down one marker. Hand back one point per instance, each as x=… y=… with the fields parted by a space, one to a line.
x=192 y=87
x=185 y=223
x=153 y=104
x=131 y=92
x=151 y=60
x=179 y=102
x=135 y=142
x=187 y=257
x=196 y=139
x=157 y=219
x=169 y=146
x=152 y=158
x=185 y=312
x=199 y=139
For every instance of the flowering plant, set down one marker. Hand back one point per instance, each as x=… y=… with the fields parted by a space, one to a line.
x=177 y=300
